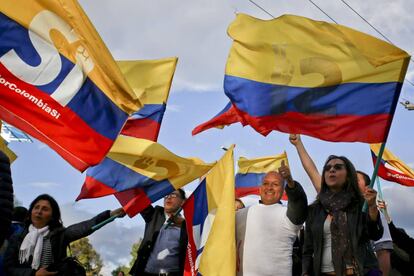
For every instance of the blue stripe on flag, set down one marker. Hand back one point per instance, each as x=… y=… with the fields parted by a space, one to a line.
x=263 y=99
x=249 y=179
x=121 y=178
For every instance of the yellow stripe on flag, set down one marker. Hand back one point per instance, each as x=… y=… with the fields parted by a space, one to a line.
x=219 y=253
x=300 y=52
x=262 y=164
x=393 y=160
x=153 y=160
x=64 y=24
x=149 y=79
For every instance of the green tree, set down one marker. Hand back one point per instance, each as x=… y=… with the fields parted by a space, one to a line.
x=134 y=255
x=134 y=252
x=86 y=254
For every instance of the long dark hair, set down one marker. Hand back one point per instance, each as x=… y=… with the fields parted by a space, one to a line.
x=351 y=183
x=56 y=221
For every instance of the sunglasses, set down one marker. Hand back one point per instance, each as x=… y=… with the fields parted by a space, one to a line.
x=173 y=195
x=337 y=167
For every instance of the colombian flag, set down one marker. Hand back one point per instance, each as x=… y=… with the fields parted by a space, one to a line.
x=210 y=221
x=252 y=171
x=140 y=172
x=297 y=75
x=151 y=81
x=391 y=168
x=58 y=81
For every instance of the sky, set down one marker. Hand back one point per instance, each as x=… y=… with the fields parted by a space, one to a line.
x=195 y=32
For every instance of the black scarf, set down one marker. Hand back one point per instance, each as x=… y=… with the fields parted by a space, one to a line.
x=336 y=204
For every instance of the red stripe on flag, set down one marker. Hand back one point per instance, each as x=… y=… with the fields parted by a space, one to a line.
x=394 y=176
x=51 y=123
x=133 y=201
x=142 y=128
x=191 y=251
x=93 y=188
x=226 y=118
x=340 y=128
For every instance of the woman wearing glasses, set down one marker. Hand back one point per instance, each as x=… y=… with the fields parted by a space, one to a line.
x=337 y=231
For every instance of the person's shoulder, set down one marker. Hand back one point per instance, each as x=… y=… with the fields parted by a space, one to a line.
x=3 y=157
x=315 y=206
x=158 y=208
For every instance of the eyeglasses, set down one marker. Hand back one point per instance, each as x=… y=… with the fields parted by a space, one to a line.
x=337 y=167
x=173 y=195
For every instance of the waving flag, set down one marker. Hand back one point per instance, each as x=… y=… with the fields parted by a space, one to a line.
x=297 y=75
x=58 y=81
x=210 y=220
x=225 y=117
x=151 y=81
x=391 y=168
x=140 y=169
x=252 y=171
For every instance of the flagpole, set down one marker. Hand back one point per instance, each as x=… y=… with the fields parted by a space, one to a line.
x=381 y=197
x=102 y=223
x=375 y=172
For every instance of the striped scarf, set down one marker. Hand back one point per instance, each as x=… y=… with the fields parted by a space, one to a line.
x=32 y=245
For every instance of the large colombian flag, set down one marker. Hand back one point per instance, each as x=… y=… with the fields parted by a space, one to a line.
x=210 y=221
x=297 y=75
x=58 y=81
x=392 y=168
x=151 y=81
x=140 y=172
x=252 y=171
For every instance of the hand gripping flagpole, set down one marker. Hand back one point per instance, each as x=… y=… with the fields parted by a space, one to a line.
x=375 y=172
x=381 y=197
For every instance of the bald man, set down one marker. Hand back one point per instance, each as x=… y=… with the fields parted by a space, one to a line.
x=266 y=232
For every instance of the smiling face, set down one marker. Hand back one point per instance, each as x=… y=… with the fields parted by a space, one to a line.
x=271 y=189
x=335 y=174
x=41 y=214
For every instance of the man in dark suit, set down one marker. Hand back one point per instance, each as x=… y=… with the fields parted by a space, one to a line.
x=162 y=250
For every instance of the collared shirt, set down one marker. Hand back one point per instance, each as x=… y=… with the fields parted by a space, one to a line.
x=165 y=254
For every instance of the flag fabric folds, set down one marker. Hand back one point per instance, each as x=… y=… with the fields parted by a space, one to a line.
x=252 y=171
x=141 y=169
x=151 y=81
x=297 y=75
x=58 y=81
x=210 y=220
x=225 y=117
x=392 y=168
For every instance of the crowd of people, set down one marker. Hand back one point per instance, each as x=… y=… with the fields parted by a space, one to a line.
x=333 y=235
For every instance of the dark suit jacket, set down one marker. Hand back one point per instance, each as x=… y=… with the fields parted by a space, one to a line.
x=154 y=219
